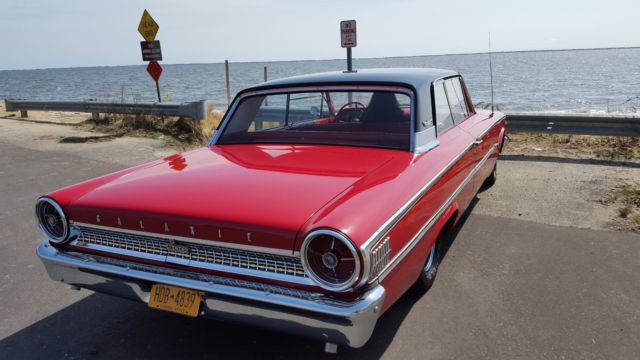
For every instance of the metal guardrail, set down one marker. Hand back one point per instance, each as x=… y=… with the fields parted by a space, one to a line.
x=579 y=124
x=194 y=110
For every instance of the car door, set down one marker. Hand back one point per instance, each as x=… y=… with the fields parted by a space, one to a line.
x=457 y=140
x=481 y=126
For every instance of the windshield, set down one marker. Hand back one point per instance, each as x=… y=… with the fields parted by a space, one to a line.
x=356 y=118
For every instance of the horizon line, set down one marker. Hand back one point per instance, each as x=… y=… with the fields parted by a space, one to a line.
x=334 y=59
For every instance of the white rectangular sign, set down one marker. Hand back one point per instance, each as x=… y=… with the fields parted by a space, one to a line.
x=348 y=33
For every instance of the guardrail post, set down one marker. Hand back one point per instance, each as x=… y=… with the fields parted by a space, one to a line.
x=23 y=113
x=199 y=111
x=226 y=76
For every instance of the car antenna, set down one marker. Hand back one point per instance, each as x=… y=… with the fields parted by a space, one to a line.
x=491 y=74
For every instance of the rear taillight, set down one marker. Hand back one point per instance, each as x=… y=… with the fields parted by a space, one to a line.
x=330 y=259
x=51 y=219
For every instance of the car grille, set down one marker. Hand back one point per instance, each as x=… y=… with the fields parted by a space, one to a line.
x=187 y=253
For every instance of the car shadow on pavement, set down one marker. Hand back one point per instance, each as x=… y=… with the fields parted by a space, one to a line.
x=105 y=327
x=450 y=238
x=558 y=159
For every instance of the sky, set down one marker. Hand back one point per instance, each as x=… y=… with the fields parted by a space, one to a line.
x=70 y=33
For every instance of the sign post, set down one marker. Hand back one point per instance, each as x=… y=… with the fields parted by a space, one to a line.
x=155 y=70
x=151 y=50
x=348 y=39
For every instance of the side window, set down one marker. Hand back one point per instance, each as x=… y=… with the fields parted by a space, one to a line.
x=457 y=86
x=289 y=110
x=271 y=113
x=444 y=119
x=456 y=99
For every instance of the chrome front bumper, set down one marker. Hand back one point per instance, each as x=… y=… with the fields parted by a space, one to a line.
x=305 y=313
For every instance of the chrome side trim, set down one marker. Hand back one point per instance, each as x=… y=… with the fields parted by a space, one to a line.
x=416 y=238
x=282 y=252
x=299 y=312
x=367 y=246
x=374 y=238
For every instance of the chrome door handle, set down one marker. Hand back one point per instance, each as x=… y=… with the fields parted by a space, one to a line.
x=477 y=142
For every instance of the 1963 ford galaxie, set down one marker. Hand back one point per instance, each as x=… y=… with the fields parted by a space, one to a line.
x=319 y=201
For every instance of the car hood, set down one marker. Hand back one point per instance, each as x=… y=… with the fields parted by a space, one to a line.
x=254 y=195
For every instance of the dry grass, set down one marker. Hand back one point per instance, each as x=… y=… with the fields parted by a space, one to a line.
x=581 y=146
x=180 y=133
x=627 y=198
x=210 y=124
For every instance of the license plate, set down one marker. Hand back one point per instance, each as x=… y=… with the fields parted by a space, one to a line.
x=175 y=299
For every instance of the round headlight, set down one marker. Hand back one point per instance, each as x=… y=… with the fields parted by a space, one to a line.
x=52 y=221
x=330 y=259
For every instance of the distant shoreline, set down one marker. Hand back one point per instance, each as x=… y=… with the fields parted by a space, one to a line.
x=337 y=59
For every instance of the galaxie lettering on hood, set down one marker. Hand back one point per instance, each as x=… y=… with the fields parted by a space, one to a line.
x=250 y=195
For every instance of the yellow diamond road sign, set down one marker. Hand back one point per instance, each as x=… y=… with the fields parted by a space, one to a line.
x=148 y=27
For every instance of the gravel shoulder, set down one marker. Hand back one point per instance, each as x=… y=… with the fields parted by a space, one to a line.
x=126 y=151
x=557 y=193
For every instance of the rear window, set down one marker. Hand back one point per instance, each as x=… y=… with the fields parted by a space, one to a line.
x=356 y=118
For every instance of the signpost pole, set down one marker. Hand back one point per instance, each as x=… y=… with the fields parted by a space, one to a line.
x=348 y=38
x=151 y=51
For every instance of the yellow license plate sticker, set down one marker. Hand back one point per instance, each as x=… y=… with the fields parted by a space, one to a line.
x=175 y=299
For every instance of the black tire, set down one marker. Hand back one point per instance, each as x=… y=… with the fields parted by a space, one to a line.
x=430 y=270
x=491 y=179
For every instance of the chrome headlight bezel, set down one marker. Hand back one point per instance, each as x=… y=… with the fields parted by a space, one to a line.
x=41 y=207
x=337 y=287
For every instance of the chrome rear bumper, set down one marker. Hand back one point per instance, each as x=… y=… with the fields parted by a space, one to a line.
x=305 y=313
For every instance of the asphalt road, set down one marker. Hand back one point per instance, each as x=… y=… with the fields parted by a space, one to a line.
x=507 y=289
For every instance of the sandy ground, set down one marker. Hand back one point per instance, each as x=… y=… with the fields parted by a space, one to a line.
x=558 y=193
x=36 y=135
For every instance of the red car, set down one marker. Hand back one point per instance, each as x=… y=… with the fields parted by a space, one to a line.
x=319 y=201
